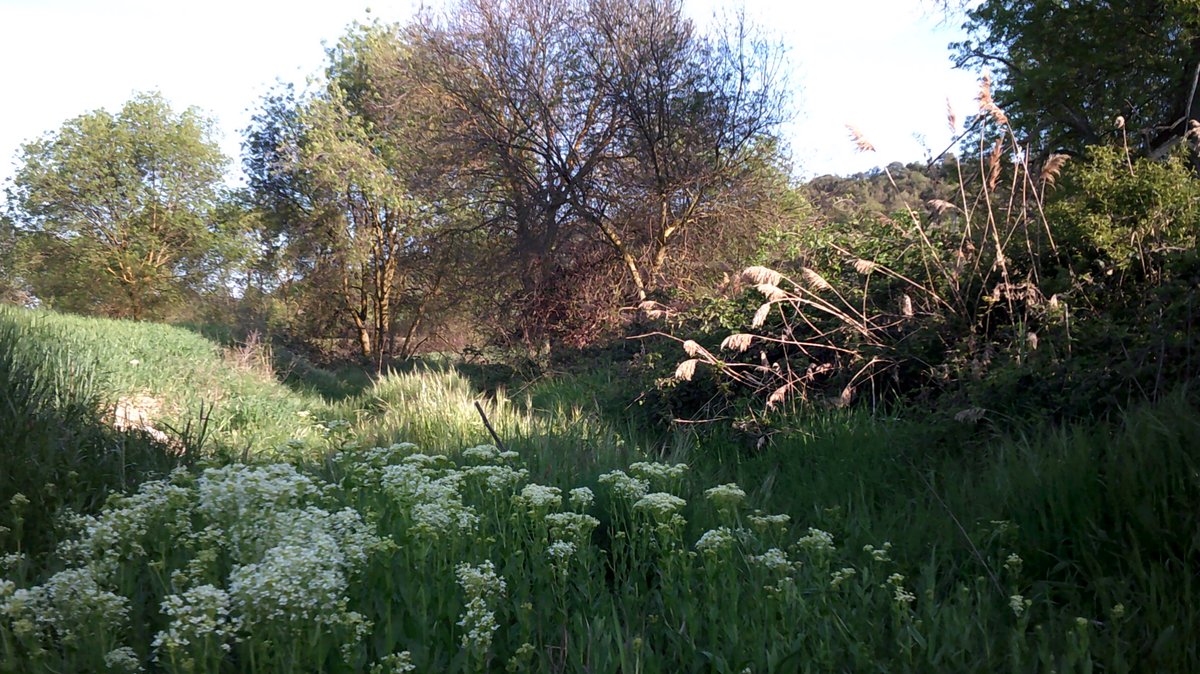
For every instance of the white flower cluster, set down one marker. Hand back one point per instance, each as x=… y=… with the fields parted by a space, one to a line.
x=481 y=453
x=434 y=502
x=560 y=554
x=198 y=617
x=11 y=560
x=623 y=486
x=763 y=522
x=537 y=497
x=727 y=495
x=901 y=596
x=396 y=663
x=496 y=478
x=482 y=586
x=294 y=582
x=72 y=601
x=1019 y=604
x=119 y=532
x=582 y=498
x=716 y=541
x=879 y=554
x=841 y=575
x=773 y=560
x=575 y=527
x=235 y=493
x=652 y=470
x=817 y=541
x=123 y=659
x=659 y=505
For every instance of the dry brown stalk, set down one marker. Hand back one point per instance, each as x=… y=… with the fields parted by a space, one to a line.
x=771 y=291
x=860 y=141
x=687 y=369
x=737 y=342
x=1052 y=167
x=994 y=164
x=758 y=275
x=815 y=280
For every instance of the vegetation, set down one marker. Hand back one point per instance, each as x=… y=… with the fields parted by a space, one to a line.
x=521 y=351
x=134 y=196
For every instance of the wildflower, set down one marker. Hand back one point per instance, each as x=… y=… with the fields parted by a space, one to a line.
x=479 y=625
x=295 y=581
x=571 y=526
x=480 y=584
x=879 y=554
x=1013 y=563
x=896 y=579
x=396 y=663
x=538 y=497
x=650 y=470
x=1019 y=604
x=1081 y=622
x=581 y=497
x=508 y=455
x=497 y=478
x=716 y=541
x=423 y=460
x=522 y=658
x=481 y=453
x=817 y=541
x=659 y=504
x=841 y=575
x=763 y=522
x=560 y=553
x=10 y=561
x=726 y=495
x=434 y=519
x=197 y=615
x=7 y=587
x=774 y=560
x=72 y=600
x=903 y=597
x=480 y=581
x=123 y=659
x=1117 y=611
x=134 y=362
x=624 y=486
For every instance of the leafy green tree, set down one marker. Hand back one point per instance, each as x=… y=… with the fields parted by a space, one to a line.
x=122 y=211
x=1066 y=69
x=355 y=204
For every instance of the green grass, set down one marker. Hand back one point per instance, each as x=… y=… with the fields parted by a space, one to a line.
x=1019 y=549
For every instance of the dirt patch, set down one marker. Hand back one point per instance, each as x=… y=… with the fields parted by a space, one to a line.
x=137 y=413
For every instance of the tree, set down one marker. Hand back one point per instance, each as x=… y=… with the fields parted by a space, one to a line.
x=345 y=181
x=596 y=133
x=1065 y=69
x=120 y=212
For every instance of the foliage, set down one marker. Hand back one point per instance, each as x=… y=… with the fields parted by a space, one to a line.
x=464 y=564
x=121 y=210
x=58 y=457
x=1067 y=71
x=1028 y=291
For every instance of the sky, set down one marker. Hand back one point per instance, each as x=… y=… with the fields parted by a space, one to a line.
x=880 y=65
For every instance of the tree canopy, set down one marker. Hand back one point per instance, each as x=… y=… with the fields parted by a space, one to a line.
x=121 y=211
x=1066 y=70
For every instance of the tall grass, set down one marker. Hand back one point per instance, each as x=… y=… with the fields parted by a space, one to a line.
x=856 y=543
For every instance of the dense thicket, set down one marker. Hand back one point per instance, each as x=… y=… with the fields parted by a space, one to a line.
x=526 y=167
